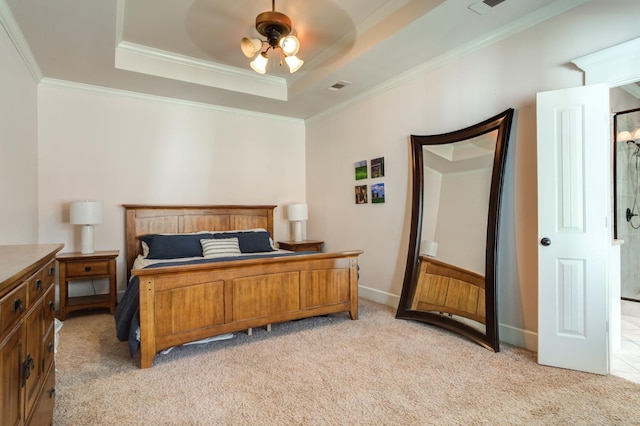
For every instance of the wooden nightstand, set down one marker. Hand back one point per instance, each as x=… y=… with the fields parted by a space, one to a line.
x=306 y=245
x=78 y=266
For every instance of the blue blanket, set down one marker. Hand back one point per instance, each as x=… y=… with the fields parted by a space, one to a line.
x=127 y=314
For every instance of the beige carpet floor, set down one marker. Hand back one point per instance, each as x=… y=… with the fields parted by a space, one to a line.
x=327 y=371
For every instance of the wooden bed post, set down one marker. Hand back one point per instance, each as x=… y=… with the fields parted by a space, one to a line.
x=147 y=325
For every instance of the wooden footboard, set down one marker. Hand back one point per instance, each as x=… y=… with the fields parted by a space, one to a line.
x=187 y=303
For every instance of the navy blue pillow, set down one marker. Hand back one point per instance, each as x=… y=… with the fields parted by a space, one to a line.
x=249 y=242
x=174 y=246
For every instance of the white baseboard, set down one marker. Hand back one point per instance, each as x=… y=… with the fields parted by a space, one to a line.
x=518 y=337
x=378 y=296
x=508 y=334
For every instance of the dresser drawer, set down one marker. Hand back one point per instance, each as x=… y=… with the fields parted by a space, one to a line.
x=87 y=269
x=12 y=307
x=49 y=308
x=48 y=349
x=39 y=282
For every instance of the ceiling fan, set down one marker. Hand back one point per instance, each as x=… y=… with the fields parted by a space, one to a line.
x=276 y=27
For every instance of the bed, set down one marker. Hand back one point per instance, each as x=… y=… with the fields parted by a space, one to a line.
x=182 y=302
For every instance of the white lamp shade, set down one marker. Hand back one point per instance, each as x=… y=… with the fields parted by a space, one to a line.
x=296 y=212
x=429 y=248
x=259 y=64
x=635 y=134
x=624 y=136
x=85 y=212
x=250 y=46
x=294 y=63
x=289 y=45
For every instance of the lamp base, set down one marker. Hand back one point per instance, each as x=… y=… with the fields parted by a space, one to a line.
x=297 y=231
x=87 y=239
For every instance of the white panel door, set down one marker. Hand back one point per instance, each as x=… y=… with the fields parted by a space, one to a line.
x=573 y=228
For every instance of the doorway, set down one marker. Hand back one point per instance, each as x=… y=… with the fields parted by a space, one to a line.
x=598 y=69
x=625 y=103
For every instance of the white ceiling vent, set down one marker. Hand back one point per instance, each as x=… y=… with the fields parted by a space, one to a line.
x=339 y=85
x=482 y=7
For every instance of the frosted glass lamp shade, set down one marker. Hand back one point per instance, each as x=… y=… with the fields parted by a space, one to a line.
x=250 y=46
x=259 y=64
x=87 y=214
x=624 y=136
x=290 y=45
x=294 y=63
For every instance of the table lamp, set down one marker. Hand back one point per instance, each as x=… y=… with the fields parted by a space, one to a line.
x=297 y=213
x=87 y=214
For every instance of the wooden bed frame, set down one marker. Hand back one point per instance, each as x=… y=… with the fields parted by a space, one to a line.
x=182 y=304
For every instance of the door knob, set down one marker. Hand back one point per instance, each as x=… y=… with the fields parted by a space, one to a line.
x=545 y=241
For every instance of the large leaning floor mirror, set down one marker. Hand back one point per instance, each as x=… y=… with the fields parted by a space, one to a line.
x=450 y=277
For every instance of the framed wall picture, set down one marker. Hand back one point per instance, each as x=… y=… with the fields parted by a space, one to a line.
x=377 y=193
x=377 y=167
x=361 y=169
x=361 y=194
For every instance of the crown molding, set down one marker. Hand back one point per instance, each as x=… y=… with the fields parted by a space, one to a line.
x=64 y=84
x=514 y=27
x=17 y=38
x=160 y=63
x=611 y=66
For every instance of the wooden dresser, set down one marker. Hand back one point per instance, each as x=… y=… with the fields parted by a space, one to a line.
x=27 y=312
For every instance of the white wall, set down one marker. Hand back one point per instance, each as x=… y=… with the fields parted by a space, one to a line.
x=123 y=149
x=473 y=88
x=18 y=148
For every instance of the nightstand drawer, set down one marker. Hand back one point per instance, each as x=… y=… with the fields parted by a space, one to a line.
x=87 y=269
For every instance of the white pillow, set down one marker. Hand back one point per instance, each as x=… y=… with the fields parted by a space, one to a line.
x=220 y=247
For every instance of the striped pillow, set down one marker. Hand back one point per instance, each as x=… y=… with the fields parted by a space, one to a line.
x=220 y=247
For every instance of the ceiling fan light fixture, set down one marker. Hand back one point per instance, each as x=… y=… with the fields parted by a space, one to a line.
x=276 y=28
x=289 y=45
x=294 y=63
x=250 y=46
x=259 y=64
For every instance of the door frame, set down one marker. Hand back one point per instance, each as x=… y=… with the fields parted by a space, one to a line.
x=597 y=69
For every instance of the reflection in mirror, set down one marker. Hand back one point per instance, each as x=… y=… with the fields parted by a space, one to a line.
x=450 y=275
x=626 y=202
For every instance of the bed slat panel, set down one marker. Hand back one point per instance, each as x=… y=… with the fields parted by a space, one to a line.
x=324 y=287
x=265 y=295
x=189 y=308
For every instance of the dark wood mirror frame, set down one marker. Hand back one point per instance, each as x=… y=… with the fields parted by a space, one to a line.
x=489 y=339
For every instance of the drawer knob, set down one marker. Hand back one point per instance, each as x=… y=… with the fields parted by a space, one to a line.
x=50 y=347
x=38 y=284
x=52 y=393
x=51 y=305
x=87 y=268
x=52 y=270
x=18 y=306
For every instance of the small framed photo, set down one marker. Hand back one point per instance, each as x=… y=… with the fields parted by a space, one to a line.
x=377 y=193
x=377 y=167
x=361 y=169
x=361 y=194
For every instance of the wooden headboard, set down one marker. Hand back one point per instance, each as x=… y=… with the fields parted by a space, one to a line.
x=147 y=219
